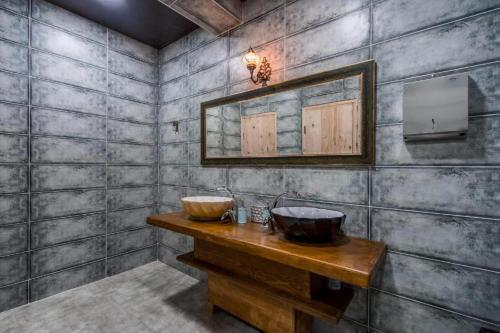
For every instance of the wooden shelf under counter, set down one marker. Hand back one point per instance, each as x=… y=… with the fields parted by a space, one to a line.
x=274 y=284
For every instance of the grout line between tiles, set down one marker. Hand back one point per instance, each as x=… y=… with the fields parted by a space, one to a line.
x=29 y=155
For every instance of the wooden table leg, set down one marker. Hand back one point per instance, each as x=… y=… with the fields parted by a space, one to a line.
x=258 y=309
x=303 y=322
x=210 y=307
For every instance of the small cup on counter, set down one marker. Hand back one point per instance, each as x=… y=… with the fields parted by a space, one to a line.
x=259 y=214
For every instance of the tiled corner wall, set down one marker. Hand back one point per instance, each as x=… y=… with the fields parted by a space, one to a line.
x=78 y=152
x=434 y=204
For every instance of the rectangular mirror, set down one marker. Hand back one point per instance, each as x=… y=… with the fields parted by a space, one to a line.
x=326 y=118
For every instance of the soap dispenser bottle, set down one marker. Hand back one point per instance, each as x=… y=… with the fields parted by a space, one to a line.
x=241 y=211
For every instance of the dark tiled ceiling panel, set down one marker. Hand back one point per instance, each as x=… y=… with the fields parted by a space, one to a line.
x=149 y=21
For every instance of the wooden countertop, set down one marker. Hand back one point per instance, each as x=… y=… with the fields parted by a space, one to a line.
x=351 y=260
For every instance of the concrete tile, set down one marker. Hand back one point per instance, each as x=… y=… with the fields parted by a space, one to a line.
x=443 y=284
x=174 y=49
x=174 y=175
x=330 y=63
x=128 y=219
x=54 y=15
x=13 y=118
x=459 y=239
x=121 y=131
x=127 y=45
x=396 y=17
x=130 y=240
x=129 y=88
x=454 y=190
x=207 y=177
x=14 y=57
x=13 y=296
x=199 y=37
x=58 y=177
x=13 y=208
x=173 y=69
x=260 y=31
x=52 y=284
x=480 y=146
x=13 y=148
x=52 y=232
x=55 y=258
x=131 y=175
x=13 y=27
x=59 y=150
x=303 y=14
x=123 y=198
x=121 y=153
x=61 y=96
x=217 y=51
x=265 y=180
x=209 y=79
x=168 y=133
x=13 y=239
x=175 y=240
x=256 y=8
x=19 y=6
x=13 y=178
x=174 y=90
x=174 y=111
x=13 y=88
x=194 y=153
x=53 y=122
x=60 y=69
x=55 y=204
x=57 y=41
x=414 y=316
x=340 y=185
x=334 y=37
x=174 y=153
x=130 y=110
x=454 y=45
x=171 y=195
x=132 y=260
x=128 y=66
x=13 y=269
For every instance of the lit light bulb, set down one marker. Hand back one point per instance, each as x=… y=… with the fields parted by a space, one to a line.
x=251 y=59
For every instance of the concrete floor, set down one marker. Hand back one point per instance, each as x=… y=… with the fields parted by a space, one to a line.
x=150 y=298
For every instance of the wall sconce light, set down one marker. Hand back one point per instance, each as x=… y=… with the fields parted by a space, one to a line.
x=251 y=60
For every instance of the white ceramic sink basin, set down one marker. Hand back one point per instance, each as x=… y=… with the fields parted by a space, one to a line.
x=206 y=207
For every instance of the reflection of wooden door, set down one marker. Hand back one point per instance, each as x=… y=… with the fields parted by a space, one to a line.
x=258 y=134
x=331 y=128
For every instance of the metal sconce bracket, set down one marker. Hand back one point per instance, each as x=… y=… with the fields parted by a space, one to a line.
x=264 y=73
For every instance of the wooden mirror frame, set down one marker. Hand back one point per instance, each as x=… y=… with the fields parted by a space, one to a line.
x=365 y=69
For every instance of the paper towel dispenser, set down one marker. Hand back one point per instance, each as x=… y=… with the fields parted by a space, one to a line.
x=436 y=108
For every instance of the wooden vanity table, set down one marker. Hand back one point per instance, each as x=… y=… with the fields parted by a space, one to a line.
x=274 y=284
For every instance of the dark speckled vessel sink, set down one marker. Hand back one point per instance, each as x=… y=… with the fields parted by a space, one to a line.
x=308 y=224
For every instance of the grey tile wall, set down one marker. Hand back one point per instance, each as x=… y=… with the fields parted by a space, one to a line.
x=78 y=151
x=433 y=204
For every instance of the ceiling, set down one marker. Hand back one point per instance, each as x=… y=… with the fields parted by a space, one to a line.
x=148 y=21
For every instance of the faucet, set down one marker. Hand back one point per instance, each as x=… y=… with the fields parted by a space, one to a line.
x=231 y=213
x=280 y=196
x=270 y=221
x=225 y=189
x=227 y=214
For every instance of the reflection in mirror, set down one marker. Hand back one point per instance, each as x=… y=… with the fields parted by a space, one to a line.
x=322 y=119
